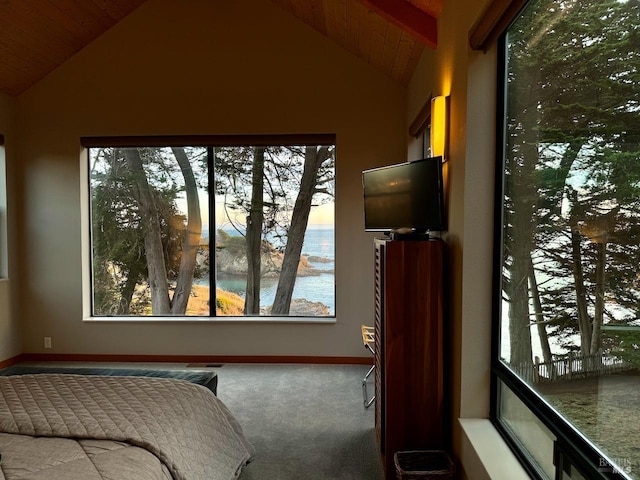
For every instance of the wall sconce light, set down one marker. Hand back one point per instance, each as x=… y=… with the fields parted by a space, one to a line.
x=439 y=126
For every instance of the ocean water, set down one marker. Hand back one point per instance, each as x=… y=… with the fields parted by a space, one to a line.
x=319 y=241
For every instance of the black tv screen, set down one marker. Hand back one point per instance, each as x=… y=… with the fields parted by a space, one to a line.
x=406 y=195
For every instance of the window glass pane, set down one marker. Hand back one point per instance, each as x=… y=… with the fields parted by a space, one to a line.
x=275 y=249
x=148 y=249
x=536 y=439
x=572 y=474
x=568 y=470
x=267 y=245
x=601 y=407
x=571 y=215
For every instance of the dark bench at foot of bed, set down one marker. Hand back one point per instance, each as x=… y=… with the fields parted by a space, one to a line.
x=207 y=378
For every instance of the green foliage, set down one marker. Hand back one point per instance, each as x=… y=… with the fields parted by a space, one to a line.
x=283 y=169
x=236 y=245
x=228 y=303
x=627 y=347
x=119 y=261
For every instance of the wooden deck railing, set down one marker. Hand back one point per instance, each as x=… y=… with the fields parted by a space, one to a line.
x=568 y=367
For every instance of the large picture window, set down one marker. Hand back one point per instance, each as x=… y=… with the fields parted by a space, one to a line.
x=212 y=226
x=568 y=283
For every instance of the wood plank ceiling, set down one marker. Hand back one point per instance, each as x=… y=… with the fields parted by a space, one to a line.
x=36 y=36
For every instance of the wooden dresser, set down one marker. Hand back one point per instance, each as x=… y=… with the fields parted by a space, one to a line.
x=408 y=347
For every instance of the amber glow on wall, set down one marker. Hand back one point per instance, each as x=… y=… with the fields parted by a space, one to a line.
x=439 y=126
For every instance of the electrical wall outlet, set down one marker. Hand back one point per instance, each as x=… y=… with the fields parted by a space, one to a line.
x=47 y=342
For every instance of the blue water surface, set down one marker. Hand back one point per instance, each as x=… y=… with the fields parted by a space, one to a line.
x=319 y=241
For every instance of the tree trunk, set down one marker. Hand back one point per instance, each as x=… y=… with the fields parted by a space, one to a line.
x=129 y=288
x=584 y=323
x=523 y=191
x=519 y=322
x=522 y=231
x=540 y=323
x=254 y=234
x=192 y=236
x=596 y=332
x=313 y=159
x=157 y=273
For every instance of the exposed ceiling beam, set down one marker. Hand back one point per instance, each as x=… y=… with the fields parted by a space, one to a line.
x=407 y=16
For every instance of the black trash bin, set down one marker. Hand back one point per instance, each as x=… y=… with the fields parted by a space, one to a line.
x=424 y=465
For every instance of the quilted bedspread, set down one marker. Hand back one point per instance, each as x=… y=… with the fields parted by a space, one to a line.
x=184 y=425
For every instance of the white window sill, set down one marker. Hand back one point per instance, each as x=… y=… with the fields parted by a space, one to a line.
x=316 y=320
x=485 y=454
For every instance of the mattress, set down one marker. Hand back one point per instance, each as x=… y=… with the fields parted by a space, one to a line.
x=205 y=377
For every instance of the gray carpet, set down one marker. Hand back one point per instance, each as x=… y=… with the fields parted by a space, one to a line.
x=306 y=422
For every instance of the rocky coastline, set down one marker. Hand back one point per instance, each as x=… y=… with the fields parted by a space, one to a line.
x=232 y=263
x=231 y=260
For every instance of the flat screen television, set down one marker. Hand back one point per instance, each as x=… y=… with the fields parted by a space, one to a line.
x=406 y=197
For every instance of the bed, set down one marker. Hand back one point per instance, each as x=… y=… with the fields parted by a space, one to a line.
x=93 y=427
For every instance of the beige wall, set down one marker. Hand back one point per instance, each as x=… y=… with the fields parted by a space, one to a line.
x=204 y=67
x=469 y=78
x=10 y=340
